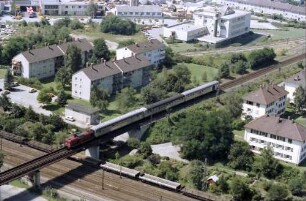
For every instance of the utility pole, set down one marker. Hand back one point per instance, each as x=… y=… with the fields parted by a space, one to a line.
x=102 y=179
x=204 y=179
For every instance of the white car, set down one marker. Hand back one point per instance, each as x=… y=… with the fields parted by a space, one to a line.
x=32 y=90
x=69 y=118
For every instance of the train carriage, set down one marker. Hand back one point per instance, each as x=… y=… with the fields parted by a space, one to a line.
x=120 y=169
x=160 y=182
x=200 y=90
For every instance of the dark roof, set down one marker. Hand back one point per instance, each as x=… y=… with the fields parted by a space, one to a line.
x=279 y=127
x=298 y=79
x=146 y=46
x=101 y=70
x=82 y=44
x=132 y=63
x=82 y=109
x=43 y=53
x=274 y=4
x=266 y=95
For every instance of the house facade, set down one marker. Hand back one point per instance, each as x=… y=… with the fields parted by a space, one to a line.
x=143 y=11
x=111 y=76
x=287 y=10
x=285 y=137
x=153 y=50
x=294 y=82
x=86 y=115
x=44 y=62
x=267 y=100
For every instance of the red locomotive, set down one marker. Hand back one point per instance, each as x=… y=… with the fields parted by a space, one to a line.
x=79 y=138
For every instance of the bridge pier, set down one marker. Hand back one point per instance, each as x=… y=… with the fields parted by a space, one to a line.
x=36 y=179
x=93 y=152
x=139 y=131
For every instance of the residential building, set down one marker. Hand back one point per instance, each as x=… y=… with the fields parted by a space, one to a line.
x=143 y=11
x=153 y=50
x=212 y=25
x=134 y=2
x=287 y=10
x=82 y=114
x=284 y=136
x=44 y=62
x=267 y=100
x=294 y=82
x=112 y=76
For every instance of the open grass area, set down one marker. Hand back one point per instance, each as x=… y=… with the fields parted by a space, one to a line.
x=2 y=73
x=93 y=33
x=198 y=70
x=238 y=135
x=185 y=47
x=19 y=184
x=289 y=32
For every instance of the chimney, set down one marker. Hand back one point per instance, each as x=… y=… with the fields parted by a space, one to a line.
x=91 y=66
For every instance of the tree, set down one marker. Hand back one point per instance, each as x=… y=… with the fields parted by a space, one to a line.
x=133 y=142
x=296 y=185
x=63 y=76
x=62 y=98
x=233 y=103
x=5 y=102
x=240 y=156
x=145 y=149
x=125 y=43
x=14 y=46
x=72 y=59
x=17 y=111
x=268 y=165
x=116 y=25
x=240 y=190
x=299 y=98
x=168 y=62
x=30 y=115
x=126 y=98
x=239 y=67
x=223 y=185
x=260 y=58
x=196 y=172
x=277 y=192
x=100 y=50
x=183 y=73
x=44 y=96
x=8 y=80
x=99 y=97
x=76 y=24
x=224 y=70
x=92 y=9
x=152 y=94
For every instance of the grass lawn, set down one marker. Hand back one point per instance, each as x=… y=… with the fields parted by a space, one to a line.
x=198 y=70
x=238 y=135
x=2 y=73
x=289 y=32
x=93 y=33
x=19 y=184
x=185 y=47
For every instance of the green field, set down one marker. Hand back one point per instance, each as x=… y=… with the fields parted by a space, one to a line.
x=284 y=33
x=185 y=47
x=2 y=73
x=198 y=70
x=238 y=135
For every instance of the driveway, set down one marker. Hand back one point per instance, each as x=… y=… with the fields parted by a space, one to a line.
x=21 y=96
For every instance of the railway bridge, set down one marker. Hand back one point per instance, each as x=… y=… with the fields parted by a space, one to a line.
x=92 y=146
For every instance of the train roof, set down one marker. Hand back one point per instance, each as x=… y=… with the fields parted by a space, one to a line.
x=118 y=168
x=160 y=181
x=167 y=100
x=119 y=118
x=203 y=86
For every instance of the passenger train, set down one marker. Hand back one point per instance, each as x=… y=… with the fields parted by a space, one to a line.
x=138 y=114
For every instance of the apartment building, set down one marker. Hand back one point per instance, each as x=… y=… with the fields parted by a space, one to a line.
x=143 y=11
x=292 y=83
x=43 y=62
x=287 y=10
x=267 y=100
x=153 y=50
x=111 y=76
x=287 y=138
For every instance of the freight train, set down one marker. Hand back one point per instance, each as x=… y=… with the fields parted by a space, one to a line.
x=138 y=114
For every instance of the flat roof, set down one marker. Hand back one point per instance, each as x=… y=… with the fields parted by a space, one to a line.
x=238 y=13
x=185 y=27
x=82 y=109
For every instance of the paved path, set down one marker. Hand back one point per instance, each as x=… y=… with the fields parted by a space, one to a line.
x=12 y=193
x=168 y=149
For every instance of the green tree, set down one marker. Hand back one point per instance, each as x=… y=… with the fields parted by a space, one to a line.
x=239 y=67
x=299 y=98
x=183 y=73
x=240 y=156
x=277 y=192
x=76 y=24
x=223 y=185
x=126 y=98
x=116 y=25
x=92 y=9
x=17 y=111
x=240 y=190
x=224 y=70
x=14 y=46
x=145 y=149
x=168 y=62
x=233 y=103
x=63 y=76
x=5 y=102
x=260 y=58
x=100 y=50
x=125 y=43
x=268 y=165
x=8 y=80
x=72 y=59
x=296 y=185
x=30 y=115
x=150 y=94
x=196 y=172
x=133 y=142
x=62 y=97
x=44 y=96
x=99 y=98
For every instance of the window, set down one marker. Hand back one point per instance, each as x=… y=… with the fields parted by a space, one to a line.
x=289 y=140
x=79 y=6
x=257 y=104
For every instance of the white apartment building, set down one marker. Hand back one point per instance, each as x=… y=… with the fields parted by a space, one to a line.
x=294 y=82
x=111 y=76
x=43 y=62
x=212 y=24
x=268 y=7
x=267 y=100
x=153 y=50
x=287 y=138
x=143 y=11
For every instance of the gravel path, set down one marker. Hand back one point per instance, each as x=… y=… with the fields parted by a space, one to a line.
x=168 y=149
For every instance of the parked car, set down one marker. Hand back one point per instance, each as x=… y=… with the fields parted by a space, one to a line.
x=69 y=118
x=5 y=92
x=32 y=90
x=32 y=15
x=15 y=84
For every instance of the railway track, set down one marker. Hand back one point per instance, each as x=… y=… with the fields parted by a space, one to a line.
x=258 y=73
x=90 y=179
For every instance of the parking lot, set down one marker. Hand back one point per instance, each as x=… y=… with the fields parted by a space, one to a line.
x=20 y=95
